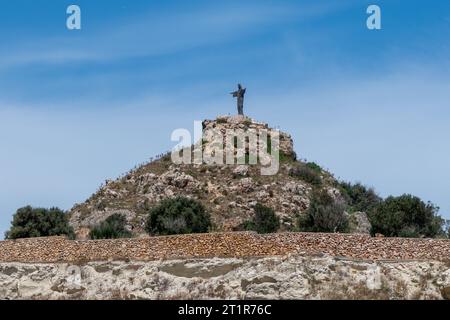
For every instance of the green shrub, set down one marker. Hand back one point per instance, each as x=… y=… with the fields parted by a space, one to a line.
x=265 y=220
x=314 y=166
x=247 y=122
x=406 y=216
x=306 y=173
x=287 y=157
x=31 y=222
x=359 y=197
x=111 y=228
x=177 y=216
x=324 y=215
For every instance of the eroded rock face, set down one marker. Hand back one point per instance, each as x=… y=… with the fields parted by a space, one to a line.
x=290 y=277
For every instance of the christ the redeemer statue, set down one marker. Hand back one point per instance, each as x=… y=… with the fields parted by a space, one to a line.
x=239 y=94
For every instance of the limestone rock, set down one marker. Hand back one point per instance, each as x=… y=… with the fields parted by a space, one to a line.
x=289 y=277
x=359 y=223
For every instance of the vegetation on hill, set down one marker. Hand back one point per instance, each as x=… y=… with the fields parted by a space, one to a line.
x=31 y=222
x=359 y=197
x=264 y=221
x=308 y=172
x=177 y=216
x=111 y=228
x=324 y=214
x=406 y=216
x=403 y=216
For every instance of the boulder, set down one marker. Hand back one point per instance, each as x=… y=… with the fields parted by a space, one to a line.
x=241 y=170
x=359 y=223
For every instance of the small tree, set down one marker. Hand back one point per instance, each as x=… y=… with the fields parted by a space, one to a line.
x=177 y=216
x=324 y=214
x=31 y=222
x=359 y=197
x=265 y=220
x=112 y=227
x=406 y=216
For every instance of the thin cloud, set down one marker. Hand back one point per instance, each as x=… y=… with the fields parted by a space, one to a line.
x=153 y=34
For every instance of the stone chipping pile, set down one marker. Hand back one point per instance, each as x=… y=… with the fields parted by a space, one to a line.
x=229 y=244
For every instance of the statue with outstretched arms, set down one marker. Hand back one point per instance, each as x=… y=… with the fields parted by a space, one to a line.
x=239 y=94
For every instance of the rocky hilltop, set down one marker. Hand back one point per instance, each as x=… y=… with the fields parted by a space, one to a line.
x=229 y=192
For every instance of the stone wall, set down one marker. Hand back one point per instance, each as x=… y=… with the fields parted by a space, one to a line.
x=231 y=245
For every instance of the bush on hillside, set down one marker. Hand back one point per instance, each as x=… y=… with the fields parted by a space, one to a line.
x=177 y=216
x=307 y=173
x=112 y=227
x=264 y=221
x=324 y=215
x=314 y=166
x=406 y=216
x=31 y=222
x=359 y=197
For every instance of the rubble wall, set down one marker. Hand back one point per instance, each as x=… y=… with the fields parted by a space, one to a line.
x=228 y=244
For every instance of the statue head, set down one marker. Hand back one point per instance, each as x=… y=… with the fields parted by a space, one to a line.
x=239 y=86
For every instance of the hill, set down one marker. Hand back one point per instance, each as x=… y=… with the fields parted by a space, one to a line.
x=229 y=192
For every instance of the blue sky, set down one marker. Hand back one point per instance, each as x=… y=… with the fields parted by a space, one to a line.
x=78 y=107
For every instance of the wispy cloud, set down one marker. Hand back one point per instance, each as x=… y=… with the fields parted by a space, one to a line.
x=152 y=34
